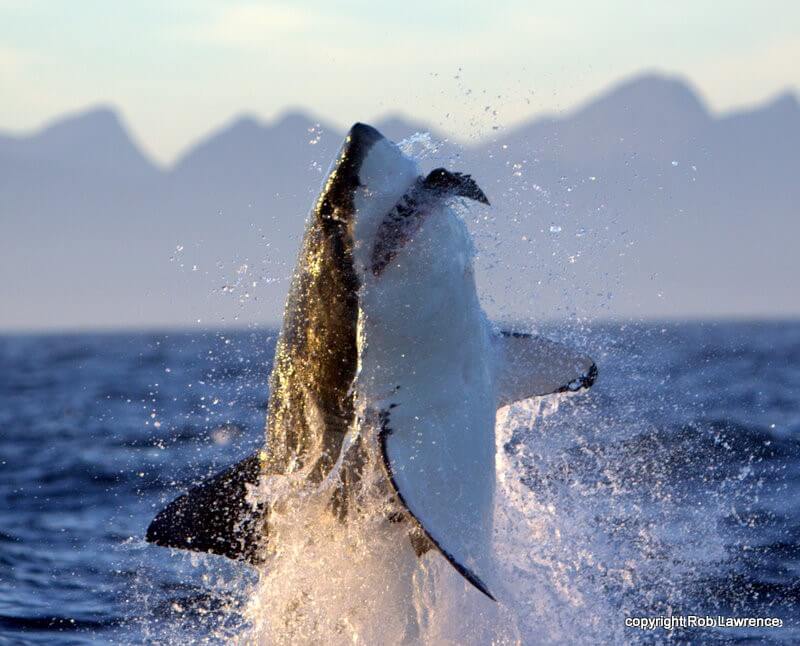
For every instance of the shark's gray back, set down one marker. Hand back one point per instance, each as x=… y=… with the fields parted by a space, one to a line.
x=310 y=406
x=311 y=403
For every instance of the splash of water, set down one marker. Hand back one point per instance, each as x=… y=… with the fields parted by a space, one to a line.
x=539 y=548
x=360 y=582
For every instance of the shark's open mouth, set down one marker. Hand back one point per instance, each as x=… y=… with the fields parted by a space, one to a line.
x=398 y=227
x=407 y=216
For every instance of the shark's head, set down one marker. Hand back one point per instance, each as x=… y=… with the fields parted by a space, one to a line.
x=391 y=200
x=412 y=253
x=385 y=175
x=367 y=180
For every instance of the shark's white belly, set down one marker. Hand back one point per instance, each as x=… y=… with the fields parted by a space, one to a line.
x=425 y=360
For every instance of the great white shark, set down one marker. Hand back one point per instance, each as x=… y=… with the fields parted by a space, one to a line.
x=384 y=346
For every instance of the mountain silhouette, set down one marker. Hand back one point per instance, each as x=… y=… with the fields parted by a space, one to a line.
x=638 y=203
x=94 y=141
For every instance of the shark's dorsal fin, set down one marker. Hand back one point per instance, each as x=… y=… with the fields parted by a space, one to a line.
x=215 y=516
x=528 y=366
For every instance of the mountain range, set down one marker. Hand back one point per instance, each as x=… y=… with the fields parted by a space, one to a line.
x=640 y=203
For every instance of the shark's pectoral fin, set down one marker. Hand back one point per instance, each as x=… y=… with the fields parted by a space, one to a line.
x=417 y=482
x=527 y=365
x=216 y=516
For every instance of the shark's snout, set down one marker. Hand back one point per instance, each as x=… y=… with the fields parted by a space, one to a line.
x=336 y=200
x=361 y=137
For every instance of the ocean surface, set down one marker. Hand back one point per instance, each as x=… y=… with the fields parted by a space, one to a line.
x=671 y=488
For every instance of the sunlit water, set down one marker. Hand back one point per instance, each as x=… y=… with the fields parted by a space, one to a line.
x=670 y=488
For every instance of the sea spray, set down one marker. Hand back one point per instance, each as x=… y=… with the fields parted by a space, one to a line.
x=358 y=580
x=538 y=558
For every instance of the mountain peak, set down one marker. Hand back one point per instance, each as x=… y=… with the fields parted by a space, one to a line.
x=784 y=103
x=648 y=112
x=248 y=146
x=654 y=93
x=101 y=119
x=293 y=120
x=93 y=140
x=245 y=123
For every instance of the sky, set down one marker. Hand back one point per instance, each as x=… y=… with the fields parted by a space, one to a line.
x=177 y=69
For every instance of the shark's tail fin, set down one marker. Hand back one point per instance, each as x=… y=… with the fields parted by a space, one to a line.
x=216 y=516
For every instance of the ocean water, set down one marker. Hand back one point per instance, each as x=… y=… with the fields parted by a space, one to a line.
x=671 y=488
